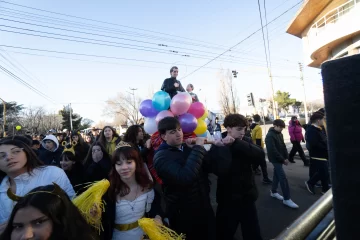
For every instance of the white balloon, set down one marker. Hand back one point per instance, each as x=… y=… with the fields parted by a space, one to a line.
x=150 y=125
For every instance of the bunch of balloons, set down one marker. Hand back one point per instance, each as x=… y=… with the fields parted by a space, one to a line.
x=191 y=115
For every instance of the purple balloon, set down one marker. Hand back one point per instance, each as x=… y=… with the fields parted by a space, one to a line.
x=147 y=109
x=188 y=123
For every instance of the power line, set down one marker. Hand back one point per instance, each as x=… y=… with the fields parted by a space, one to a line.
x=139 y=48
x=117 y=31
x=267 y=34
x=126 y=39
x=24 y=83
x=17 y=67
x=108 y=23
x=98 y=56
x=263 y=36
x=240 y=41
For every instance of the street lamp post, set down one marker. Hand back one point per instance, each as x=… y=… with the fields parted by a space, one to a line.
x=4 y=116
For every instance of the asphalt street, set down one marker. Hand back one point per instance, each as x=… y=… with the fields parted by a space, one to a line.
x=274 y=217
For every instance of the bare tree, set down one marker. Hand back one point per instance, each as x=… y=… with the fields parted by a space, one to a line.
x=124 y=108
x=37 y=120
x=228 y=99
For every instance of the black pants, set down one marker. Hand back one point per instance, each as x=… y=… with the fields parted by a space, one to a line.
x=196 y=222
x=321 y=172
x=297 y=148
x=230 y=214
x=263 y=167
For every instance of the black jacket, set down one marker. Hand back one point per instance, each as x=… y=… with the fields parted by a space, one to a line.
x=81 y=150
x=76 y=176
x=316 y=142
x=98 y=171
x=183 y=176
x=168 y=86
x=50 y=158
x=275 y=146
x=239 y=183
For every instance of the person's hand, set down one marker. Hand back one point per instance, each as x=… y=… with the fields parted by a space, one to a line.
x=176 y=84
x=148 y=144
x=200 y=141
x=228 y=140
x=286 y=162
x=189 y=142
x=158 y=220
x=219 y=143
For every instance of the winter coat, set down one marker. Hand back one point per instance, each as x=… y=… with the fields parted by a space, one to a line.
x=50 y=157
x=295 y=131
x=183 y=176
x=97 y=171
x=316 y=142
x=81 y=150
x=168 y=86
x=275 y=146
x=76 y=176
x=256 y=135
x=239 y=183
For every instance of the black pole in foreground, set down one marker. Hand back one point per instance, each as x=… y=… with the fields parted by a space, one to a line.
x=341 y=79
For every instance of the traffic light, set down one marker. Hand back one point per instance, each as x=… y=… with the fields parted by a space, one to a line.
x=234 y=72
x=250 y=99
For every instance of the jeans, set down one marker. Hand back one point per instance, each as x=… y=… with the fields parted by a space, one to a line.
x=297 y=148
x=321 y=172
x=230 y=214
x=280 y=176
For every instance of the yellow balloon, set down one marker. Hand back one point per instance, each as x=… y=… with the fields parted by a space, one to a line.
x=201 y=127
x=18 y=128
x=203 y=117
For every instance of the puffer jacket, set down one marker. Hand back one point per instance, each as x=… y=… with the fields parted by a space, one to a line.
x=295 y=131
x=184 y=179
x=275 y=146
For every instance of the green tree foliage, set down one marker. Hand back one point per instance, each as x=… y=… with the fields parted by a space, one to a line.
x=283 y=99
x=76 y=119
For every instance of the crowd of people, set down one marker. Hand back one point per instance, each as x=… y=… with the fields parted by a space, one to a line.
x=163 y=177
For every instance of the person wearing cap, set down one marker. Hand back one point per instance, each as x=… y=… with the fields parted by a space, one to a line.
x=190 y=89
x=318 y=151
x=51 y=152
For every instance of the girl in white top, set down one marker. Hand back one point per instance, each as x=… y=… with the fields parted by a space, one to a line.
x=129 y=197
x=22 y=171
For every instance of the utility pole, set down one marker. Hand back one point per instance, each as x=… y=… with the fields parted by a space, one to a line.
x=4 y=116
x=272 y=95
x=135 y=110
x=303 y=85
x=71 y=125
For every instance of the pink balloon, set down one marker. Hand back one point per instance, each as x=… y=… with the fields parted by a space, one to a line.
x=180 y=103
x=197 y=109
x=163 y=114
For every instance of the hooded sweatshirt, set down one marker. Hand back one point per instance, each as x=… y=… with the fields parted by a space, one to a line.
x=110 y=146
x=51 y=157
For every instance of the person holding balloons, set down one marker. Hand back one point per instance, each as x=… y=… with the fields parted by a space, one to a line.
x=171 y=85
x=185 y=183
